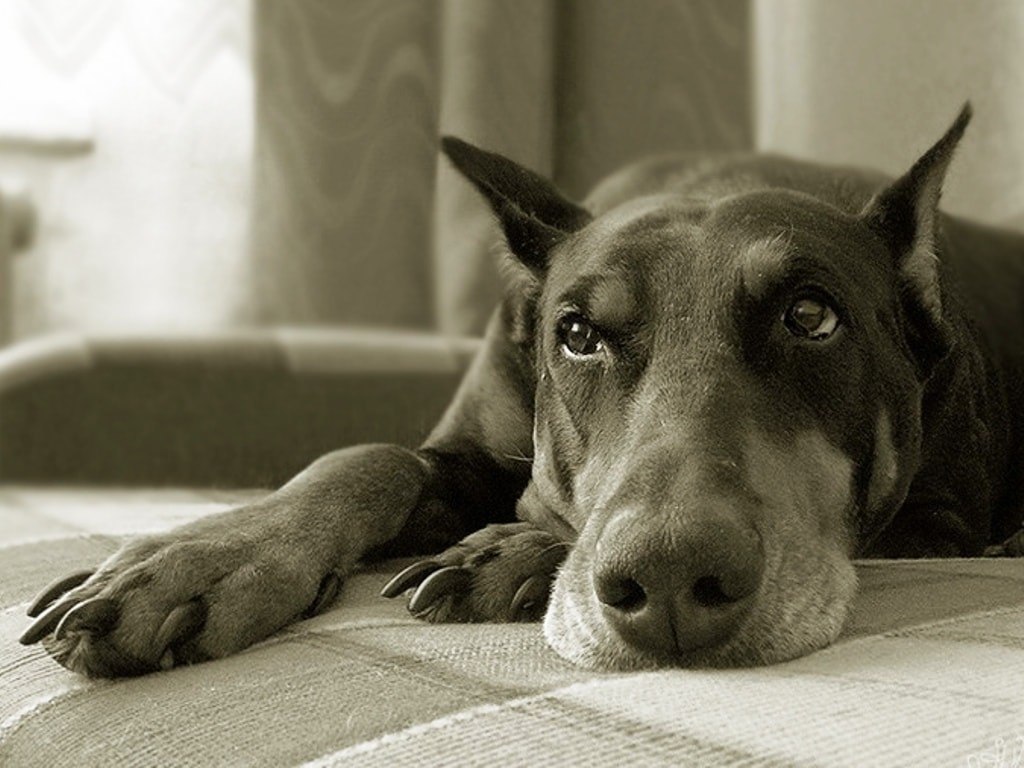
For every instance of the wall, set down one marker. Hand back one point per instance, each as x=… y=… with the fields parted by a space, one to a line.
x=877 y=81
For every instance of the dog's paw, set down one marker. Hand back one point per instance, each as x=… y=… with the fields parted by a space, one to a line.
x=499 y=573
x=1012 y=547
x=163 y=601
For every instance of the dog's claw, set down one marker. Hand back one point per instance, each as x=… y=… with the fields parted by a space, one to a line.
x=181 y=625
x=410 y=577
x=1012 y=547
x=49 y=619
x=96 y=615
x=439 y=584
x=55 y=589
x=531 y=592
x=325 y=595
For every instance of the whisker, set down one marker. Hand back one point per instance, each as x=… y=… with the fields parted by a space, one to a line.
x=514 y=457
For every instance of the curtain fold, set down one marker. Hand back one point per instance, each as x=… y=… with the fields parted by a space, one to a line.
x=640 y=78
x=346 y=124
x=497 y=90
x=357 y=221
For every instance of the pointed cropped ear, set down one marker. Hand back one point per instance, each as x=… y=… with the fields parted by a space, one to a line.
x=533 y=213
x=905 y=214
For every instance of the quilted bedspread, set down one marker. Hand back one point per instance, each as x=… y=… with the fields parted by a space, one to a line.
x=929 y=672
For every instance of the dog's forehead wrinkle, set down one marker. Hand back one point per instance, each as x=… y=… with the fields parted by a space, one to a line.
x=762 y=260
x=790 y=221
x=608 y=297
x=650 y=225
x=661 y=278
x=613 y=300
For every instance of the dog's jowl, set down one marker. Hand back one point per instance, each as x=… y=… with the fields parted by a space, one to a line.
x=708 y=387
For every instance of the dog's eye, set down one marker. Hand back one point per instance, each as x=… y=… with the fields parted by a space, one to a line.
x=811 y=318
x=578 y=336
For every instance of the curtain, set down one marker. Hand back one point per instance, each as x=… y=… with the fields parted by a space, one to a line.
x=356 y=220
x=185 y=176
x=205 y=163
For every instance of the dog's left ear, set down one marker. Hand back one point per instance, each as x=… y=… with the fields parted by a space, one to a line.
x=533 y=214
x=906 y=215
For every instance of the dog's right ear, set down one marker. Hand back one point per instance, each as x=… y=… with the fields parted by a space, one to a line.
x=533 y=214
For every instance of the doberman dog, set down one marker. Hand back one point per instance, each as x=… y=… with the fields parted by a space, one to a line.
x=707 y=389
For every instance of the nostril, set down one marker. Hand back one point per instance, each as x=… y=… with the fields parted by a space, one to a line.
x=623 y=594
x=708 y=592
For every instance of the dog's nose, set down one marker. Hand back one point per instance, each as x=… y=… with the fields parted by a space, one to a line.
x=674 y=591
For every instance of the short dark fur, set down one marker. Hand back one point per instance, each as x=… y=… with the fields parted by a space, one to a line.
x=727 y=469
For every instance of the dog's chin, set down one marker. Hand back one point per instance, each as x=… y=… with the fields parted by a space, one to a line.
x=797 y=613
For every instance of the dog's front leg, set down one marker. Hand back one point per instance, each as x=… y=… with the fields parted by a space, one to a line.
x=215 y=586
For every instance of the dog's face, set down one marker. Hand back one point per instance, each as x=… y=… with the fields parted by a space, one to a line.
x=727 y=408
x=727 y=387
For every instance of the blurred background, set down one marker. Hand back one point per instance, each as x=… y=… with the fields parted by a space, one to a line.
x=208 y=164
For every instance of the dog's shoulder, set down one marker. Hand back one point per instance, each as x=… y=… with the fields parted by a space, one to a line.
x=709 y=177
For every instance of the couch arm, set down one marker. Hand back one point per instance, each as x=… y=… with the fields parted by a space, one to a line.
x=236 y=409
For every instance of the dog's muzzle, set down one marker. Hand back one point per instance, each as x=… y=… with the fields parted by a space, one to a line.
x=671 y=589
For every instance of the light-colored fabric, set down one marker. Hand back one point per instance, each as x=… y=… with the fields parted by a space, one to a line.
x=929 y=672
x=353 y=219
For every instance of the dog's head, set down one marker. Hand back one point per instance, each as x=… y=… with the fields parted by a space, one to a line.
x=728 y=403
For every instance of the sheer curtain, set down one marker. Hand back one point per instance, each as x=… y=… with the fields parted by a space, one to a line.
x=131 y=125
